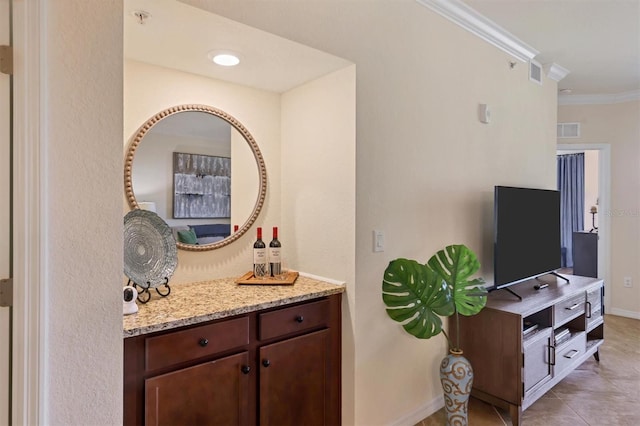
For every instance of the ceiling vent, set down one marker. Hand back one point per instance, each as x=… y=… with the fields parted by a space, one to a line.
x=568 y=130
x=535 y=71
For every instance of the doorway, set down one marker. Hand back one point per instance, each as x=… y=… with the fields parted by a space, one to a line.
x=598 y=156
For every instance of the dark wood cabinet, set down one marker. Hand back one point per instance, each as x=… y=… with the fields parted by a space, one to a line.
x=293 y=381
x=278 y=366
x=519 y=349
x=213 y=392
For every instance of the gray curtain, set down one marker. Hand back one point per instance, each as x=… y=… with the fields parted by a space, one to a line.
x=571 y=187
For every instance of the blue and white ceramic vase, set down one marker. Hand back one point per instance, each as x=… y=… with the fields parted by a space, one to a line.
x=456 y=376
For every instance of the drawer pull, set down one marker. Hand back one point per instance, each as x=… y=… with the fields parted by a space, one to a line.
x=571 y=308
x=245 y=369
x=299 y=318
x=203 y=342
x=571 y=353
x=266 y=362
x=589 y=310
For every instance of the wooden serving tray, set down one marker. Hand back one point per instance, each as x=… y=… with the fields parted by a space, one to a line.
x=249 y=279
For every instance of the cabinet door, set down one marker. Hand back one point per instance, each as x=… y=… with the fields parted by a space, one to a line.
x=294 y=381
x=212 y=393
x=537 y=366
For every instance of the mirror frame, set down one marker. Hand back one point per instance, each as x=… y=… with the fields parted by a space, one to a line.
x=262 y=170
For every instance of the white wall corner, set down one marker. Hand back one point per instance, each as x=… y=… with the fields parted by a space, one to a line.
x=472 y=21
x=421 y=412
x=555 y=71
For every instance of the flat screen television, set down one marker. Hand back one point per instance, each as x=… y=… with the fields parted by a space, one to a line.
x=526 y=234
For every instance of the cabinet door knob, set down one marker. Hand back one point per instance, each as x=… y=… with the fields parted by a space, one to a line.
x=245 y=369
x=299 y=318
x=203 y=342
x=266 y=362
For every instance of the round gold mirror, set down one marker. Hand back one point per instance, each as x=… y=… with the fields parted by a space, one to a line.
x=201 y=171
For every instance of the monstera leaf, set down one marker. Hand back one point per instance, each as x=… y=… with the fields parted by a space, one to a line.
x=455 y=265
x=415 y=296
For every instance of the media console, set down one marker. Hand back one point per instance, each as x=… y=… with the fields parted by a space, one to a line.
x=519 y=349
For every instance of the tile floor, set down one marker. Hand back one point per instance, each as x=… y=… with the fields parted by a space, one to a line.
x=595 y=394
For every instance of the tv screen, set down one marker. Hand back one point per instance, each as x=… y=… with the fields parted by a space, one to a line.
x=527 y=234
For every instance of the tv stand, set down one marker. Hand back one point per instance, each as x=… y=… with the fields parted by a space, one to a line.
x=521 y=349
x=559 y=276
x=513 y=292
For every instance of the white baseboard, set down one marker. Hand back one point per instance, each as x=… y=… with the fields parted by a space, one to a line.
x=421 y=413
x=624 y=313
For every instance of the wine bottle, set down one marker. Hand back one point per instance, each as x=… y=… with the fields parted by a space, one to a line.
x=259 y=257
x=275 y=264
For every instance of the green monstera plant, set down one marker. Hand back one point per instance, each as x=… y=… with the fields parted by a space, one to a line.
x=417 y=295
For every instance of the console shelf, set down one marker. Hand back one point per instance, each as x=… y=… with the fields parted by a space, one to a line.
x=519 y=349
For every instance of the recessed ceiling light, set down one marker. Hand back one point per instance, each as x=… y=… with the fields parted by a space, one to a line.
x=226 y=59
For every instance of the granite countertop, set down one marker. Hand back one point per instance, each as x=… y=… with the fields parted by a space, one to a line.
x=208 y=300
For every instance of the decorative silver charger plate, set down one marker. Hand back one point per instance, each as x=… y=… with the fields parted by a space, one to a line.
x=150 y=252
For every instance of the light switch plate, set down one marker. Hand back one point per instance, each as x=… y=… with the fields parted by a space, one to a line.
x=378 y=241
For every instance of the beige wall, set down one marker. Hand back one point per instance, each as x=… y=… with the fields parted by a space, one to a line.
x=308 y=142
x=617 y=125
x=426 y=166
x=325 y=106
x=318 y=193
x=425 y=173
x=148 y=89
x=82 y=253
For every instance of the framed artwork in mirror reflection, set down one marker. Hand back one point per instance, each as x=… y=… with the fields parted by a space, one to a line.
x=201 y=186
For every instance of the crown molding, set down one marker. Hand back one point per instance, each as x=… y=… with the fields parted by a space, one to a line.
x=555 y=71
x=616 y=98
x=472 y=21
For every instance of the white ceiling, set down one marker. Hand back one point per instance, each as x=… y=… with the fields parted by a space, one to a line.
x=598 y=41
x=180 y=36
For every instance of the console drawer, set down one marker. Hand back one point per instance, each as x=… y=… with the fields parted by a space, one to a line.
x=568 y=309
x=194 y=343
x=594 y=313
x=569 y=352
x=594 y=305
x=293 y=319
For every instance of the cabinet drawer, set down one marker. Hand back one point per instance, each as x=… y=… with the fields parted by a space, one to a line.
x=594 y=313
x=595 y=296
x=569 y=352
x=293 y=319
x=193 y=343
x=568 y=309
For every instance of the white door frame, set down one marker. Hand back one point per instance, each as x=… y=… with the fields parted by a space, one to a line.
x=5 y=219
x=29 y=214
x=604 y=207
